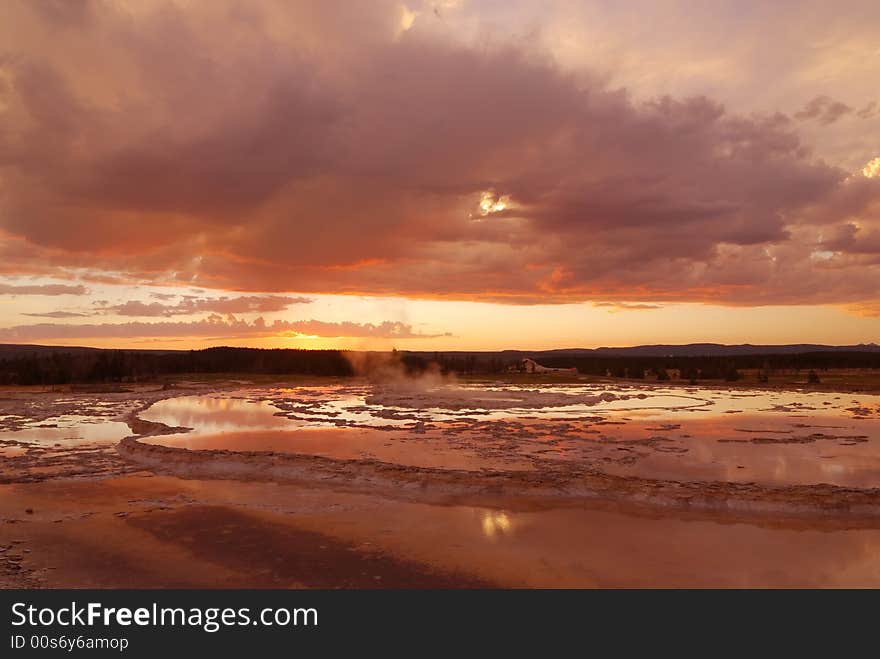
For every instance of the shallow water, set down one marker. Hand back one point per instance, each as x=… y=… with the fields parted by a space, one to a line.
x=233 y=534
x=66 y=431
x=575 y=547
x=767 y=437
x=508 y=536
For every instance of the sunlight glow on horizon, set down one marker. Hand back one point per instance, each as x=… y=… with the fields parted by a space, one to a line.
x=470 y=325
x=438 y=174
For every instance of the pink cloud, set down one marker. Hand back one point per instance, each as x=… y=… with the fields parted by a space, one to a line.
x=42 y=289
x=192 y=305
x=316 y=148
x=825 y=110
x=214 y=327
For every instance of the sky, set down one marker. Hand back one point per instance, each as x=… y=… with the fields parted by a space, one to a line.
x=439 y=175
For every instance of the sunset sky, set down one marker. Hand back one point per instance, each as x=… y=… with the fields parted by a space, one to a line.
x=455 y=174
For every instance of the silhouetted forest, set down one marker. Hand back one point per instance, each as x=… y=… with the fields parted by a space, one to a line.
x=715 y=367
x=134 y=366
x=690 y=367
x=94 y=366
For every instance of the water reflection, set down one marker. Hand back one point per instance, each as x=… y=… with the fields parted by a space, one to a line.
x=771 y=437
x=66 y=431
x=577 y=547
x=496 y=523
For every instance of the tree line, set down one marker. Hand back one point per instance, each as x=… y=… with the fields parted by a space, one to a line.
x=135 y=366
x=706 y=367
x=94 y=366
x=715 y=367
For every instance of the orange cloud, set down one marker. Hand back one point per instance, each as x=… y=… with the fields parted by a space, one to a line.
x=315 y=147
x=42 y=289
x=212 y=327
x=191 y=305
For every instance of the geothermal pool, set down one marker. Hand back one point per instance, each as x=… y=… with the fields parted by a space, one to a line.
x=542 y=485
x=774 y=438
x=65 y=431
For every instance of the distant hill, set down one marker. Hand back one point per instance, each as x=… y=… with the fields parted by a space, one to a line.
x=12 y=350
x=714 y=350
x=15 y=350
x=663 y=350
